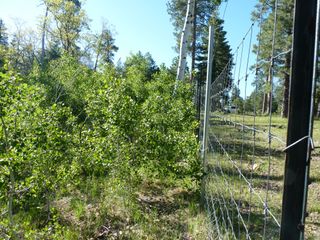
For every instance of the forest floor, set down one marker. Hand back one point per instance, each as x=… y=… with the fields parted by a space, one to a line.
x=159 y=209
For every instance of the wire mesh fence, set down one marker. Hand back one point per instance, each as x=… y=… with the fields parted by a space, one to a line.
x=244 y=145
x=244 y=163
x=243 y=185
x=244 y=173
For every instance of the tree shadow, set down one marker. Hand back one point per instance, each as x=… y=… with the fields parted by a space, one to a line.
x=231 y=171
x=167 y=205
x=234 y=218
x=242 y=150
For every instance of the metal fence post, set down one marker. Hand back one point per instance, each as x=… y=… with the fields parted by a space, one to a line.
x=207 y=96
x=300 y=120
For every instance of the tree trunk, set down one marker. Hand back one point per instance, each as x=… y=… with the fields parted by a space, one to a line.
x=48 y=205
x=96 y=62
x=11 y=193
x=265 y=99
x=43 y=37
x=285 y=99
x=12 y=182
x=184 y=41
x=194 y=39
x=270 y=100
x=318 y=109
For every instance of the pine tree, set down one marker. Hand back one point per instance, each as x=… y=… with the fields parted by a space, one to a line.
x=206 y=13
x=104 y=46
x=283 y=41
x=3 y=42
x=69 y=20
x=3 y=34
x=203 y=13
x=222 y=51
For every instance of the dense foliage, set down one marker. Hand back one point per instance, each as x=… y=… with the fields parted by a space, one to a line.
x=100 y=125
x=69 y=116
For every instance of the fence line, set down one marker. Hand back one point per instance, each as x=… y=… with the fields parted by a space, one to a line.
x=242 y=178
x=244 y=165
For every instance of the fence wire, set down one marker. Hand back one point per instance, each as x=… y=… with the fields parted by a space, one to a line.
x=244 y=163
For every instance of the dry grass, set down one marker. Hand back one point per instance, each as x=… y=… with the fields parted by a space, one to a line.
x=105 y=209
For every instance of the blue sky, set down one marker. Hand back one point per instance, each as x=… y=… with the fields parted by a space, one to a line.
x=139 y=24
x=237 y=23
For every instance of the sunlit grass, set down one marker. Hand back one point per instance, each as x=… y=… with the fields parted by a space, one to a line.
x=235 y=148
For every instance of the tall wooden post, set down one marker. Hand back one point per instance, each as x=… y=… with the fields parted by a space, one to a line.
x=302 y=83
